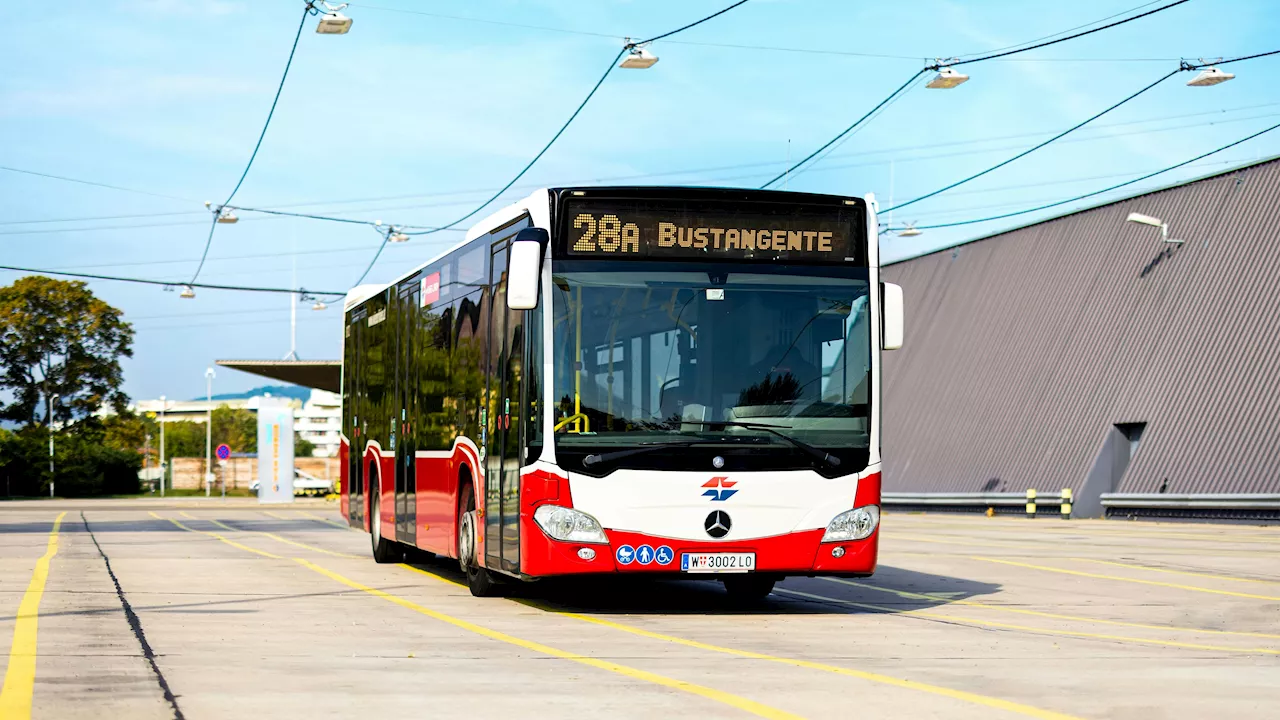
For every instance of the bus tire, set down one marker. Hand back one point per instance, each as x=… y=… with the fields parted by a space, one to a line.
x=384 y=550
x=748 y=588
x=480 y=581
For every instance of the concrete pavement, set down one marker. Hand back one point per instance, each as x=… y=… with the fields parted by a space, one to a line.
x=223 y=609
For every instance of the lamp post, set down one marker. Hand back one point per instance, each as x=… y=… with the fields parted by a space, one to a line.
x=208 y=432
x=163 y=467
x=53 y=401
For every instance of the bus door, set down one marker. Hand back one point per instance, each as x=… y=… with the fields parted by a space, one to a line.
x=503 y=426
x=406 y=403
x=354 y=368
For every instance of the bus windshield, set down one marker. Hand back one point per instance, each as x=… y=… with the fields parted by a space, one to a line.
x=651 y=353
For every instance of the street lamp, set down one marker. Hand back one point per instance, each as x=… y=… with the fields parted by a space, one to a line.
x=319 y=305
x=946 y=79
x=1210 y=76
x=163 y=466
x=910 y=231
x=637 y=58
x=333 y=22
x=53 y=402
x=208 y=432
x=1141 y=219
x=187 y=292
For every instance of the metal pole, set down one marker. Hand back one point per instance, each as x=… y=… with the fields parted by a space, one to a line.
x=53 y=399
x=208 y=432
x=163 y=467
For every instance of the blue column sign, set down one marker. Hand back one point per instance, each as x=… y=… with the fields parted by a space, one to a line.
x=275 y=451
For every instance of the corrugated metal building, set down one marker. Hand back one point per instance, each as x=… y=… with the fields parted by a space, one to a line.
x=1084 y=352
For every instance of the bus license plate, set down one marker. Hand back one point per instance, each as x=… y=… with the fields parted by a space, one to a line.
x=717 y=562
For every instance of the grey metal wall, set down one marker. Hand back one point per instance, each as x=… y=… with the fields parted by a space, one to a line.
x=1024 y=349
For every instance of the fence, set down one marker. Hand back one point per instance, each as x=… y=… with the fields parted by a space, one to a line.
x=240 y=472
x=1029 y=503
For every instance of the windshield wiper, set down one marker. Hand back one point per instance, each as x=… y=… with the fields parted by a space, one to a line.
x=643 y=448
x=822 y=455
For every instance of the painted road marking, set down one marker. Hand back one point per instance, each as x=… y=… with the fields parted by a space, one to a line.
x=1027 y=628
x=1125 y=579
x=285 y=540
x=326 y=521
x=20 y=675
x=741 y=703
x=1178 y=572
x=873 y=677
x=990 y=702
x=983 y=700
x=1038 y=613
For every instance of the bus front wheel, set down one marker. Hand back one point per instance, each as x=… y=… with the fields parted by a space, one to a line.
x=480 y=581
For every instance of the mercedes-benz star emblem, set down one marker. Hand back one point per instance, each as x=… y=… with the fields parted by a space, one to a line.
x=717 y=524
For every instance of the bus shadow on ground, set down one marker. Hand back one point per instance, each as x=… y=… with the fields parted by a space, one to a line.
x=890 y=590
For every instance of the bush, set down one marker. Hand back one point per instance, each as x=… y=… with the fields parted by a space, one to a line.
x=83 y=464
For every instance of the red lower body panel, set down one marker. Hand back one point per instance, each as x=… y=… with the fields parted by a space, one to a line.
x=801 y=553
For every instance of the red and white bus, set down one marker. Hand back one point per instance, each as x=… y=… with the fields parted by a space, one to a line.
x=679 y=382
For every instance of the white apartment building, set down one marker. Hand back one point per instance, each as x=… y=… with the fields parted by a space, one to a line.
x=318 y=420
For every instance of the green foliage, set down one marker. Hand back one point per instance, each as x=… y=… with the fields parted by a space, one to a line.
x=302 y=447
x=236 y=427
x=85 y=464
x=57 y=338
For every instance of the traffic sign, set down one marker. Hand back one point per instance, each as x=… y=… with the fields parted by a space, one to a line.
x=224 y=451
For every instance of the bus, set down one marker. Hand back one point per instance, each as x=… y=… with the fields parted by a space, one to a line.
x=669 y=382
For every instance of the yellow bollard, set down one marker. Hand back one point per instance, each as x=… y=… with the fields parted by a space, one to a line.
x=1031 y=502
x=1066 y=503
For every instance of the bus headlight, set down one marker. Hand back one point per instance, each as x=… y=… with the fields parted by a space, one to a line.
x=855 y=524
x=569 y=525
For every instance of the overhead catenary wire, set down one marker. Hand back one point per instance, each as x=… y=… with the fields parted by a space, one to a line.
x=982 y=58
x=1063 y=32
x=174 y=283
x=1105 y=190
x=308 y=10
x=609 y=70
x=1033 y=148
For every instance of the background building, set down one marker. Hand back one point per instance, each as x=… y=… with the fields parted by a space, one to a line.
x=1085 y=352
x=318 y=419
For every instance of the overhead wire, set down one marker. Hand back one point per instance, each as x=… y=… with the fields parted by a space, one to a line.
x=308 y=10
x=609 y=70
x=173 y=283
x=78 y=181
x=955 y=62
x=1033 y=148
x=1103 y=190
x=1184 y=66
x=1063 y=32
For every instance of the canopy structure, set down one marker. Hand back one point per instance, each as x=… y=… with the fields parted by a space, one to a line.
x=318 y=374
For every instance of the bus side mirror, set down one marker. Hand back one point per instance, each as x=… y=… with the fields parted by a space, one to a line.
x=891 y=318
x=524 y=268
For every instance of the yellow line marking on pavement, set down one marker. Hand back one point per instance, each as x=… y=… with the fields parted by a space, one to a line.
x=1177 y=572
x=226 y=540
x=287 y=541
x=20 y=675
x=326 y=521
x=1027 y=628
x=980 y=543
x=983 y=700
x=1038 y=613
x=277 y=516
x=1125 y=579
x=741 y=703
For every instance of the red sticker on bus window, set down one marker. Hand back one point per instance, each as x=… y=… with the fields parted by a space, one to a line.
x=430 y=289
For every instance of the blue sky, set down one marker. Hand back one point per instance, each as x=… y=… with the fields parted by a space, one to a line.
x=414 y=117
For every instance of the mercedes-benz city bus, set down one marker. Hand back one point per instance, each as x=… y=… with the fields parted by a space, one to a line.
x=672 y=382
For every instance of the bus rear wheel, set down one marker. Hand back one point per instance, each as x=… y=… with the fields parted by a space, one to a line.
x=480 y=581
x=384 y=550
x=748 y=588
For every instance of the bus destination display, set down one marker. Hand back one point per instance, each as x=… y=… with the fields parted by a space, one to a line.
x=601 y=230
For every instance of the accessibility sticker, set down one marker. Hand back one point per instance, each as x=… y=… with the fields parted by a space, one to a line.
x=644 y=554
x=663 y=555
x=625 y=555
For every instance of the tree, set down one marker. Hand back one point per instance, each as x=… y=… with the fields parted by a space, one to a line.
x=57 y=338
x=302 y=447
x=236 y=427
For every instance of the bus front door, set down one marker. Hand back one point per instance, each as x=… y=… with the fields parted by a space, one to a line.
x=406 y=503
x=502 y=460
